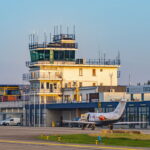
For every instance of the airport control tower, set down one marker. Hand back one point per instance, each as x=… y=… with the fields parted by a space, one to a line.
x=53 y=66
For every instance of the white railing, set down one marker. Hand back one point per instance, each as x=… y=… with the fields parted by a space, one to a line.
x=14 y=104
x=45 y=91
x=42 y=76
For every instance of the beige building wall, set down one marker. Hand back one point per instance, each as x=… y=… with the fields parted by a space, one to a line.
x=102 y=76
x=70 y=75
x=115 y=96
x=88 y=75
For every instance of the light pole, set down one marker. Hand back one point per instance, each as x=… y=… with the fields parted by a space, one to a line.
x=39 y=113
x=45 y=113
x=29 y=110
x=24 y=110
x=34 y=107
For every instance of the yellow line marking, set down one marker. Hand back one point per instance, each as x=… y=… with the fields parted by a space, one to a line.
x=67 y=145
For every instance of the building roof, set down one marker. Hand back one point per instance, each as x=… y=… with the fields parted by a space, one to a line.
x=9 y=85
x=110 y=88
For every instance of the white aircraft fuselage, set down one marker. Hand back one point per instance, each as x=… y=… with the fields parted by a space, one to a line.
x=105 y=118
x=101 y=119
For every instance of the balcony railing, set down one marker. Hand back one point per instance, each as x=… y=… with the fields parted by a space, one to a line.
x=80 y=61
x=53 y=45
x=45 y=91
x=103 y=61
x=42 y=76
x=14 y=104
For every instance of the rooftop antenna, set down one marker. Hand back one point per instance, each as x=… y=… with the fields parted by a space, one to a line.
x=129 y=79
x=50 y=37
x=54 y=30
x=67 y=30
x=118 y=54
x=45 y=38
x=104 y=57
x=99 y=56
x=74 y=31
x=37 y=38
x=31 y=38
x=60 y=29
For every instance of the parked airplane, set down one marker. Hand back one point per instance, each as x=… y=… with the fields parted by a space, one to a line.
x=92 y=119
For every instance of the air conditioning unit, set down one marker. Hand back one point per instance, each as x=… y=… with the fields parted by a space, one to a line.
x=81 y=61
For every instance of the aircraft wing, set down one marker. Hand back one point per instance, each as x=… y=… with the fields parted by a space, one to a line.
x=127 y=123
x=78 y=122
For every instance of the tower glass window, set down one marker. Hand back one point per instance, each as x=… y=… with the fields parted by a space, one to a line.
x=40 y=55
x=64 y=55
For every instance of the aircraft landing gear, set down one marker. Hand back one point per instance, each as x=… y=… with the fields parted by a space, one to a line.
x=111 y=127
x=93 y=127
x=83 y=126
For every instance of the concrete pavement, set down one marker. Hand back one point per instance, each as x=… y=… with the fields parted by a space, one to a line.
x=24 y=138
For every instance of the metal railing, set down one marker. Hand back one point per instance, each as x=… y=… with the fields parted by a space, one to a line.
x=42 y=76
x=53 y=45
x=103 y=61
x=45 y=91
x=14 y=104
x=79 y=61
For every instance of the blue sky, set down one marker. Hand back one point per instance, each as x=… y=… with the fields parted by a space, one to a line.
x=101 y=25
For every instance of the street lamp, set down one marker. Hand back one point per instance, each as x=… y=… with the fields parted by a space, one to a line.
x=34 y=107
x=39 y=114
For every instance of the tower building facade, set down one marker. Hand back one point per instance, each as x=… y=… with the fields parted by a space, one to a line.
x=53 y=67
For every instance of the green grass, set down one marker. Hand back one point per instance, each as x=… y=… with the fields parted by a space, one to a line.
x=87 y=139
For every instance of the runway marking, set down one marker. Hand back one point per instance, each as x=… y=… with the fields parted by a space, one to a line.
x=67 y=145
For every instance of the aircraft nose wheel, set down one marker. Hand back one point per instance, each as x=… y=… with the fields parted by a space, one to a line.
x=111 y=127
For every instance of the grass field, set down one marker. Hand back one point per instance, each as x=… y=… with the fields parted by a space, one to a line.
x=134 y=140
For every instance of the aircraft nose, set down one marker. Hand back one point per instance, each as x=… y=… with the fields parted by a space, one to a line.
x=101 y=117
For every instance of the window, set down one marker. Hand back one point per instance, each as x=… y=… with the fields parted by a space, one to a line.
x=66 y=85
x=64 y=55
x=87 y=97
x=69 y=84
x=32 y=75
x=72 y=55
x=55 y=86
x=12 y=92
x=42 y=85
x=94 y=84
x=101 y=84
x=80 y=72
x=80 y=84
x=74 y=83
x=59 y=55
x=94 y=72
x=39 y=55
x=47 y=85
x=67 y=97
x=51 y=87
